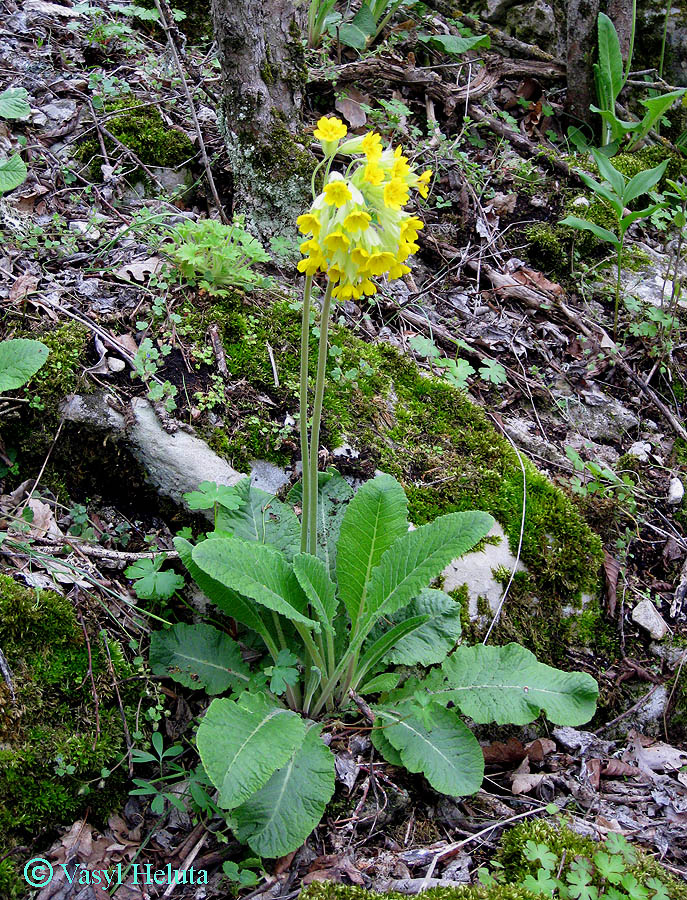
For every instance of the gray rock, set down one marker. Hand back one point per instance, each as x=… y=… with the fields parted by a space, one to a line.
x=640 y=450
x=649 y=618
x=175 y=463
x=476 y=570
x=267 y=476
x=497 y=9
x=676 y=491
x=598 y=416
x=533 y=22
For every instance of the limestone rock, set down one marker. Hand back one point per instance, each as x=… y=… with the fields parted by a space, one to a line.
x=676 y=491
x=598 y=416
x=533 y=22
x=476 y=570
x=649 y=618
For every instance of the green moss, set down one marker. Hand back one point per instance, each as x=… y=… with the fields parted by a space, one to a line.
x=52 y=717
x=142 y=130
x=547 y=247
x=60 y=374
x=327 y=890
x=567 y=845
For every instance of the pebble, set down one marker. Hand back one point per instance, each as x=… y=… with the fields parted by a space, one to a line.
x=640 y=450
x=114 y=364
x=649 y=618
x=676 y=491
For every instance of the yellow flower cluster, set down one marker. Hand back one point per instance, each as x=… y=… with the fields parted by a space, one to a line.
x=357 y=228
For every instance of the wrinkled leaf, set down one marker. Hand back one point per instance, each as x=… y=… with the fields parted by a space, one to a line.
x=198 y=656
x=20 y=359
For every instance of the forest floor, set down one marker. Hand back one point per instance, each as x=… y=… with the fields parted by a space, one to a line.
x=502 y=302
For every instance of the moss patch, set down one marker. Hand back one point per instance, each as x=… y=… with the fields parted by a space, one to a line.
x=52 y=719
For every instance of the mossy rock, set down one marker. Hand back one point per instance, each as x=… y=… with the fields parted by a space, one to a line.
x=327 y=890
x=49 y=717
x=143 y=131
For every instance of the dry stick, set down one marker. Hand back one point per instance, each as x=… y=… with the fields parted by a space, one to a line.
x=218 y=349
x=114 y=556
x=130 y=153
x=192 y=109
x=187 y=862
x=45 y=463
x=90 y=675
x=273 y=363
x=127 y=736
x=627 y=712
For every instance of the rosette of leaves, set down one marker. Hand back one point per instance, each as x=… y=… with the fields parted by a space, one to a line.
x=334 y=626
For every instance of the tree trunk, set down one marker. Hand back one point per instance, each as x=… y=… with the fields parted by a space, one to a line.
x=581 y=45
x=620 y=13
x=263 y=77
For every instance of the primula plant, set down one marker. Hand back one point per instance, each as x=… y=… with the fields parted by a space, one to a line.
x=340 y=599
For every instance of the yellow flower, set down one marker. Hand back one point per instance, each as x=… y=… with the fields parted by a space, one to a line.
x=379 y=263
x=398 y=269
x=372 y=146
x=373 y=174
x=410 y=228
x=400 y=167
x=360 y=258
x=308 y=224
x=395 y=194
x=310 y=247
x=406 y=249
x=422 y=183
x=337 y=193
x=330 y=129
x=312 y=264
x=369 y=288
x=337 y=240
x=335 y=273
x=346 y=292
x=358 y=220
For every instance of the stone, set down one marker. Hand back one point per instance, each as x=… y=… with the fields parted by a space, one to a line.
x=596 y=415
x=497 y=9
x=476 y=570
x=649 y=618
x=267 y=476
x=640 y=450
x=676 y=491
x=175 y=463
x=115 y=364
x=533 y=23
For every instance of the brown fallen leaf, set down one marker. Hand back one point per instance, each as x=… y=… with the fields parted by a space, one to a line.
x=611 y=570
x=499 y=753
x=339 y=869
x=139 y=269
x=523 y=784
x=593 y=772
x=541 y=747
x=616 y=768
x=530 y=277
x=351 y=108
x=24 y=285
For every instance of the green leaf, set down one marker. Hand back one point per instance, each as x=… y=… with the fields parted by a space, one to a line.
x=229 y=601
x=433 y=641
x=282 y=673
x=198 y=656
x=610 y=57
x=150 y=583
x=380 y=684
x=261 y=518
x=611 y=868
x=280 y=816
x=603 y=190
x=534 y=851
x=13 y=104
x=351 y=36
x=447 y=752
x=543 y=884
x=424 y=346
x=608 y=171
x=334 y=492
x=418 y=556
x=508 y=685
x=20 y=359
x=376 y=516
x=320 y=590
x=626 y=221
x=643 y=182
x=210 y=493
x=584 y=225
x=243 y=742
x=13 y=172
x=454 y=44
x=255 y=571
x=656 y=107
x=384 y=644
x=382 y=745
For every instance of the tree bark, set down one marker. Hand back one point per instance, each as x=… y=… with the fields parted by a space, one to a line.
x=581 y=44
x=263 y=78
x=620 y=13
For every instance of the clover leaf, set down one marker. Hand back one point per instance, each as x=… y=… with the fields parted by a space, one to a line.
x=150 y=583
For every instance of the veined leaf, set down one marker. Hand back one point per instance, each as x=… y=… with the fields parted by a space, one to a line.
x=608 y=171
x=508 y=684
x=419 y=556
x=229 y=601
x=13 y=104
x=641 y=214
x=20 y=359
x=263 y=519
x=198 y=656
x=376 y=516
x=380 y=684
x=610 y=58
x=320 y=590
x=433 y=641
x=455 y=44
x=256 y=571
x=436 y=742
x=584 y=225
x=643 y=182
x=384 y=644
x=13 y=172
x=243 y=742
x=279 y=817
x=333 y=493
x=603 y=191
x=382 y=745
x=656 y=107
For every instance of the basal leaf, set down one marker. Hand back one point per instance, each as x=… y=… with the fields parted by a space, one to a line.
x=433 y=641
x=376 y=516
x=382 y=745
x=584 y=225
x=226 y=599
x=438 y=744
x=280 y=816
x=378 y=649
x=13 y=104
x=643 y=182
x=243 y=742
x=13 y=172
x=334 y=492
x=656 y=107
x=508 y=685
x=20 y=359
x=261 y=518
x=608 y=171
x=455 y=44
x=198 y=656
x=610 y=57
x=419 y=556
x=320 y=590
x=255 y=571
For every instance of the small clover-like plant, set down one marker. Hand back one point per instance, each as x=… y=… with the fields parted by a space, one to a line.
x=150 y=583
x=617 y=192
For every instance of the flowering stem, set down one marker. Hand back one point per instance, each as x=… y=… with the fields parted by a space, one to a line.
x=303 y=424
x=316 y=418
